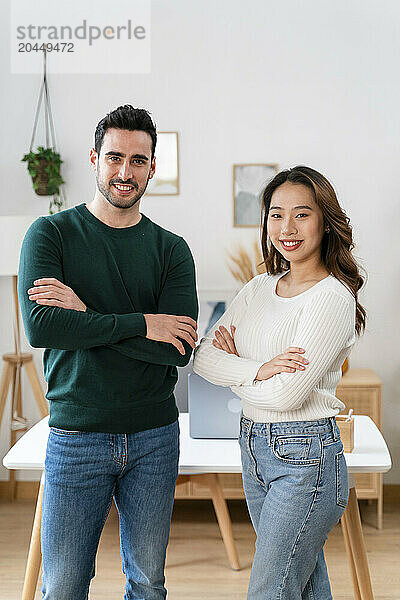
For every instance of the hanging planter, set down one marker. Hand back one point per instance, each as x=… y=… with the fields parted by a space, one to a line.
x=44 y=163
x=44 y=168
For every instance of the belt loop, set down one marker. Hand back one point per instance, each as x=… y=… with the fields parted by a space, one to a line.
x=250 y=428
x=269 y=433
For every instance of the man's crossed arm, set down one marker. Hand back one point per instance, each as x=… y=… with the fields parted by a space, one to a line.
x=171 y=329
x=58 y=319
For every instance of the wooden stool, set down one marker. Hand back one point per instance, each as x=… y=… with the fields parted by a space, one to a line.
x=13 y=364
x=12 y=367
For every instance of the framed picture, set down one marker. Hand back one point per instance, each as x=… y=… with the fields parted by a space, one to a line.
x=249 y=180
x=212 y=305
x=166 y=178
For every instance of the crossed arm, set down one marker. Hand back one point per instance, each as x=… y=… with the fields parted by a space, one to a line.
x=284 y=382
x=55 y=317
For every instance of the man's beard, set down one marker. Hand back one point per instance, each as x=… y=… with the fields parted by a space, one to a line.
x=119 y=202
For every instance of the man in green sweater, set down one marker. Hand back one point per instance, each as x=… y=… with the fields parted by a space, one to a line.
x=111 y=296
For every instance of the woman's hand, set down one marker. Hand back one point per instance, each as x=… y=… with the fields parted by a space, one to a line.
x=224 y=340
x=287 y=362
x=52 y=292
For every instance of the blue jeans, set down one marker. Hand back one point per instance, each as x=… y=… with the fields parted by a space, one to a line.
x=83 y=472
x=296 y=485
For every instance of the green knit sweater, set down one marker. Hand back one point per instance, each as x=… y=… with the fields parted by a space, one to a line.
x=103 y=374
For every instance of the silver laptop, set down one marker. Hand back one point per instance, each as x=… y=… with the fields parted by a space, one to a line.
x=214 y=411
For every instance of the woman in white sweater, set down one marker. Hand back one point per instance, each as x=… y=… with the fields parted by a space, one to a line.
x=280 y=347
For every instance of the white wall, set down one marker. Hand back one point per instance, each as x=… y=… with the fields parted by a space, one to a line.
x=312 y=82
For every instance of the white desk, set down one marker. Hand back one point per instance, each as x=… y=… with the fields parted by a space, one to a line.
x=206 y=458
x=370 y=454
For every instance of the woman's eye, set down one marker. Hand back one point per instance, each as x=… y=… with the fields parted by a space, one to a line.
x=273 y=215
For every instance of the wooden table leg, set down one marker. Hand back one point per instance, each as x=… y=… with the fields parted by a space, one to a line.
x=357 y=595
x=352 y=521
x=16 y=379
x=379 y=507
x=223 y=517
x=11 y=475
x=4 y=385
x=34 y=555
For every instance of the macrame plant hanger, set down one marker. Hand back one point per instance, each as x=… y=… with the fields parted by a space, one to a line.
x=44 y=98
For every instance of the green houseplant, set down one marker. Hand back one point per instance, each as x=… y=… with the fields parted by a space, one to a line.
x=44 y=168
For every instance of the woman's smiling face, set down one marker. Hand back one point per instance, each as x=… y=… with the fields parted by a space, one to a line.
x=295 y=218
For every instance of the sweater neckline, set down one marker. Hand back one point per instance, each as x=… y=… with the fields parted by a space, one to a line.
x=291 y=298
x=120 y=231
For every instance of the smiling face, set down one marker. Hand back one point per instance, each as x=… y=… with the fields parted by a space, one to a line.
x=124 y=166
x=295 y=223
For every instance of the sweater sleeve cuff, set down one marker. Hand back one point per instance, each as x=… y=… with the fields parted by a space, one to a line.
x=253 y=373
x=129 y=325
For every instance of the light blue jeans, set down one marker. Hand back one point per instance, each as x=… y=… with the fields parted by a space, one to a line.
x=296 y=485
x=83 y=472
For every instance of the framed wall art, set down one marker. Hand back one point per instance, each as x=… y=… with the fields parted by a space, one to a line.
x=212 y=305
x=249 y=181
x=166 y=178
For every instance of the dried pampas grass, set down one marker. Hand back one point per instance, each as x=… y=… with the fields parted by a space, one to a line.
x=244 y=266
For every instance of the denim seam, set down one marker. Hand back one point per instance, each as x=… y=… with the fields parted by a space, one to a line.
x=253 y=460
x=108 y=507
x=310 y=591
x=312 y=595
x=339 y=501
x=122 y=459
x=101 y=529
x=296 y=542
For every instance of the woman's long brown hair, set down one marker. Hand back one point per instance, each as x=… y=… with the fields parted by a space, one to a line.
x=336 y=246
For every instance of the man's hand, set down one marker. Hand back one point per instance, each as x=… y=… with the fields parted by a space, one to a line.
x=52 y=292
x=168 y=328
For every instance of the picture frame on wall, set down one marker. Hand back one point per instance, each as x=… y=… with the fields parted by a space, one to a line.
x=249 y=181
x=166 y=177
x=212 y=305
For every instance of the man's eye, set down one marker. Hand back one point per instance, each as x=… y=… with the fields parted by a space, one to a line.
x=114 y=158
x=302 y=215
x=138 y=161
x=275 y=215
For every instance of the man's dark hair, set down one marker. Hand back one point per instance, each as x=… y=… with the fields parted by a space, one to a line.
x=126 y=117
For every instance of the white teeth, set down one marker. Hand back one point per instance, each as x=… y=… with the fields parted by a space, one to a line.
x=291 y=243
x=123 y=188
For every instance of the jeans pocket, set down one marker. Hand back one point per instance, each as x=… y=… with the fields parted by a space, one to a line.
x=299 y=449
x=342 y=481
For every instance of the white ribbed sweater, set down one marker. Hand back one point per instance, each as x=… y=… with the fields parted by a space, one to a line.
x=321 y=320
